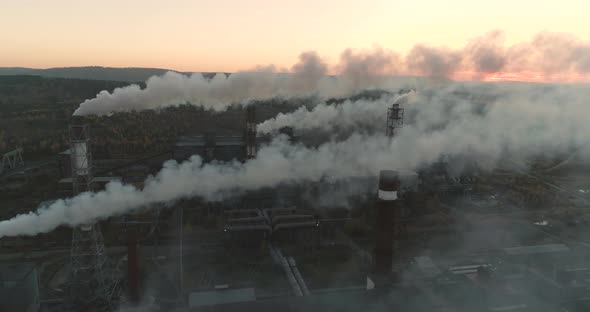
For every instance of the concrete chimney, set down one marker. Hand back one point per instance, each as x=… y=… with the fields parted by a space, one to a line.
x=132 y=267
x=387 y=210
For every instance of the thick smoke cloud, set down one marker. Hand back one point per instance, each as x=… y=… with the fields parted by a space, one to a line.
x=174 y=89
x=277 y=163
x=435 y=62
x=487 y=52
x=553 y=56
x=358 y=116
x=307 y=78
x=490 y=123
x=547 y=57
x=308 y=72
x=366 y=69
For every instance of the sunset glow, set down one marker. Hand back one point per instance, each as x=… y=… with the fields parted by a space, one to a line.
x=521 y=76
x=233 y=35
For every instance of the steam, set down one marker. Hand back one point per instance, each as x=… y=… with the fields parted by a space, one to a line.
x=487 y=52
x=356 y=116
x=277 y=163
x=308 y=72
x=307 y=78
x=362 y=69
x=489 y=123
x=430 y=61
x=546 y=57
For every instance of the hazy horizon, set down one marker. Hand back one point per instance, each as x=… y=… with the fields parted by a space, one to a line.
x=231 y=35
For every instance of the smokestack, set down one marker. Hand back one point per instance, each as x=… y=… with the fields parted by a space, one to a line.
x=132 y=266
x=88 y=285
x=81 y=156
x=387 y=211
x=250 y=132
x=395 y=120
x=81 y=160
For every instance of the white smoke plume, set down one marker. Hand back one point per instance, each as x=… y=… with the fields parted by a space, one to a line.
x=434 y=62
x=356 y=115
x=307 y=78
x=365 y=68
x=277 y=163
x=487 y=122
x=546 y=57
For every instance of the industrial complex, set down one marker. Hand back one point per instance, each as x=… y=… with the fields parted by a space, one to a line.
x=431 y=239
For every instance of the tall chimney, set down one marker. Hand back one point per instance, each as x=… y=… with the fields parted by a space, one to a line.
x=81 y=157
x=387 y=211
x=132 y=266
x=395 y=120
x=250 y=132
x=89 y=286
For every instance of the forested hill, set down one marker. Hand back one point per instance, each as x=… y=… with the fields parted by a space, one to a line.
x=130 y=74
x=25 y=93
x=35 y=113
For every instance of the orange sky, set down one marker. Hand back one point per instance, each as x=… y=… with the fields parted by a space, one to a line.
x=229 y=35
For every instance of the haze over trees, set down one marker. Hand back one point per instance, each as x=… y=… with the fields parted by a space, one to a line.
x=35 y=112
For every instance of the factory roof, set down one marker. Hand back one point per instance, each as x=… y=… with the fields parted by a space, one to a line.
x=201 y=140
x=94 y=179
x=222 y=296
x=295 y=225
x=539 y=249
x=248 y=227
x=242 y=213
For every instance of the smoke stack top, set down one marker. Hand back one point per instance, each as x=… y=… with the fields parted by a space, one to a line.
x=77 y=120
x=79 y=146
x=388 y=185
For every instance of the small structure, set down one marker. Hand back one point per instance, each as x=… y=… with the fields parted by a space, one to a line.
x=246 y=228
x=12 y=160
x=213 y=147
x=292 y=226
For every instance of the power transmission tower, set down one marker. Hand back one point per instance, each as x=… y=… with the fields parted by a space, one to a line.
x=92 y=286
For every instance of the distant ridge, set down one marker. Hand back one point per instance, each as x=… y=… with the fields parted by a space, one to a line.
x=131 y=74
